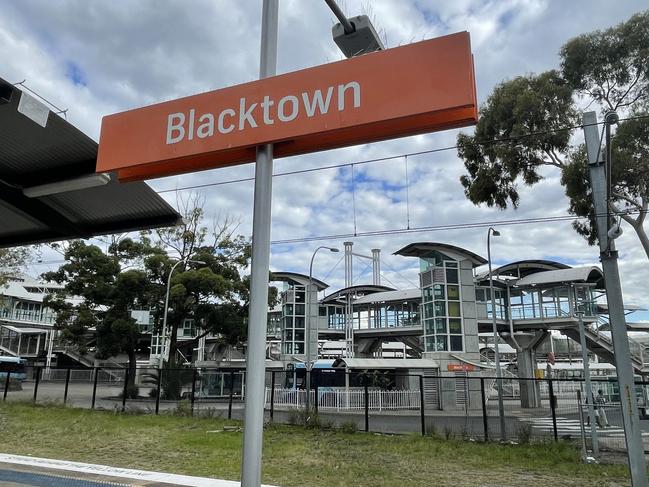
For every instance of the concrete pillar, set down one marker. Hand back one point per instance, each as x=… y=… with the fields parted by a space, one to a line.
x=526 y=360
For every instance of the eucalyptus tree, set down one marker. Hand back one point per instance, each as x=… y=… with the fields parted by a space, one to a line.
x=528 y=123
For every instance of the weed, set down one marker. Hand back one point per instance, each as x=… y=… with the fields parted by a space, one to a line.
x=524 y=433
x=348 y=427
x=448 y=433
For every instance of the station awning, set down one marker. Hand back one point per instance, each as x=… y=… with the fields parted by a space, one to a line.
x=40 y=154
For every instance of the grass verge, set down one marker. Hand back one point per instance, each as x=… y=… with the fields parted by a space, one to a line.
x=293 y=455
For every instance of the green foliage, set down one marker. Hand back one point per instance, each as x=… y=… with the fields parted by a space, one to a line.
x=527 y=124
x=293 y=456
x=11 y=260
x=520 y=107
x=348 y=427
x=375 y=378
x=172 y=381
x=610 y=66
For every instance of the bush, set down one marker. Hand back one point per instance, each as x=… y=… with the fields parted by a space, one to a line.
x=183 y=408
x=524 y=432
x=448 y=433
x=348 y=427
x=308 y=419
x=132 y=392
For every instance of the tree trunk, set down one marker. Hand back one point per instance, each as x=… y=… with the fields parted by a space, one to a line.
x=173 y=344
x=642 y=236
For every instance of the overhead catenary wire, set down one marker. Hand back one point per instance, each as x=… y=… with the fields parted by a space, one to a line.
x=434 y=228
x=388 y=158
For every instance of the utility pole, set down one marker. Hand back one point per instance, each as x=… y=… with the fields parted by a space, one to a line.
x=253 y=433
x=608 y=257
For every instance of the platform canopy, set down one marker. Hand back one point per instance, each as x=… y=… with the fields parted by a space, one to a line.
x=48 y=187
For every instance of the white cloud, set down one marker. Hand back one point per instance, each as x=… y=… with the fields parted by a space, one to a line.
x=97 y=58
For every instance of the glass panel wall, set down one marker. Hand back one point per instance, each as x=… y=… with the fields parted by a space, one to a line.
x=442 y=307
x=293 y=319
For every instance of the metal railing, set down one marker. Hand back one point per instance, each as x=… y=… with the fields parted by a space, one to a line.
x=446 y=405
x=346 y=399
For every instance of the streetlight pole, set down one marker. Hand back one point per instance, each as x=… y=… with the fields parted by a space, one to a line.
x=307 y=334
x=166 y=308
x=499 y=377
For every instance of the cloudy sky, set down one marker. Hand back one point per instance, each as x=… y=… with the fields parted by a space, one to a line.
x=97 y=57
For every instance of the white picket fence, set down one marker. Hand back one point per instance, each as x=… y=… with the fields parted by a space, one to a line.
x=343 y=399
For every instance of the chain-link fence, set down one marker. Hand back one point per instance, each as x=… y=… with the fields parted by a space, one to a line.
x=451 y=406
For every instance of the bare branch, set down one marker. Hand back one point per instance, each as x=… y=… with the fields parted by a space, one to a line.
x=628 y=199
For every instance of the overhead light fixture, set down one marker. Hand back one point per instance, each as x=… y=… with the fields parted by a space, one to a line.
x=68 y=185
x=361 y=40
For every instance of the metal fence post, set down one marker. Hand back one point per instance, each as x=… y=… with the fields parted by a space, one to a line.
x=231 y=393
x=584 y=449
x=125 y=391
x=158 y=391
x=38 y=379
x=485 y=421
x=367 y=409
x=94 y=387
x=4 y=395
x=553 y=409
x=272 y=394
x=67 y=385
x=193 y=398
x=421 y=405
x=315 y=391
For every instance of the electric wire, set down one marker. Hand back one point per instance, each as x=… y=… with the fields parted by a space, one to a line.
x=399 y=274
x=389 y=158
x=434 y=228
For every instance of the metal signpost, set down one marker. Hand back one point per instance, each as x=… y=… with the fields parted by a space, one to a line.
x=608 y=256
x=323 y=107
x=253 y=433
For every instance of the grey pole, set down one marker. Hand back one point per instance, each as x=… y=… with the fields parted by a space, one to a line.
x=589 y=387
x=499 y=376
x=253 y=434
x=307 y=333
x=608 y=257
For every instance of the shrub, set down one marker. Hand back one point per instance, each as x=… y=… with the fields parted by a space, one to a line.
x=524 y=432
x=348 y=427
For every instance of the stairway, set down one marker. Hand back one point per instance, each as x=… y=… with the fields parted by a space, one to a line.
x=602 y=346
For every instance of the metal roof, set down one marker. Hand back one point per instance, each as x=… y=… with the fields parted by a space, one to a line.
x=24 y=331
x=390 y=296
x=362 y=290
x=590 y=274
x=386 y=363
x=32 y=154
x=523 y=268
x=296 y=278
x=421 y=249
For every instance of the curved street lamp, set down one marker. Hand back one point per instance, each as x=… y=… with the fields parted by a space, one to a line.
x=307 y=344
x=499 y=376
x=164 y=350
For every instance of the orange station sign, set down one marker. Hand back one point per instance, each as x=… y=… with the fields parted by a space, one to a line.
x=417 y=88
